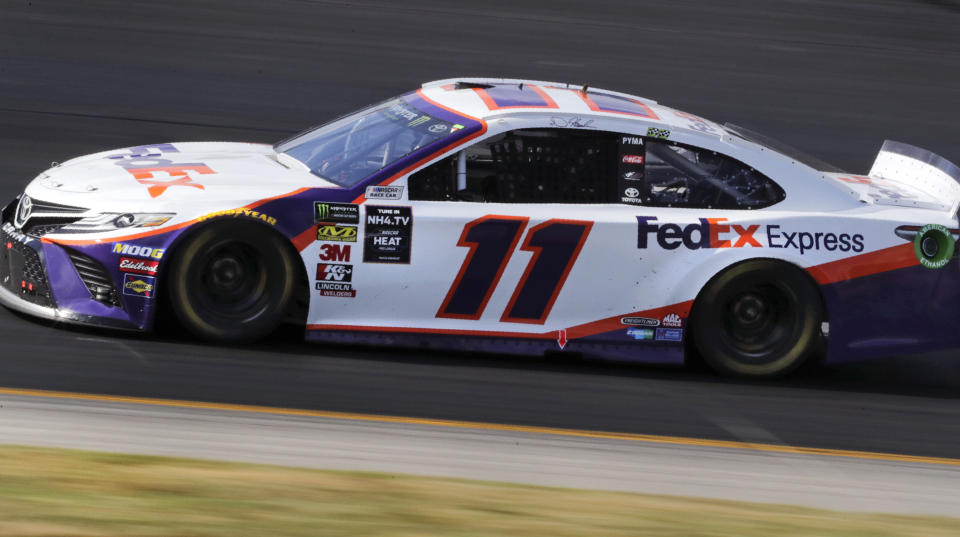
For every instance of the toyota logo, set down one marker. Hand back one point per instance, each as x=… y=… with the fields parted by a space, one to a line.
x=24 y=210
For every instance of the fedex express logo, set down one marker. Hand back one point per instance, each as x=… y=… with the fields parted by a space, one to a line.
x=159 y=174
x=715 y=233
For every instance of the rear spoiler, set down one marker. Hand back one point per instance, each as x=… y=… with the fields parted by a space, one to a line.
x=923 y=170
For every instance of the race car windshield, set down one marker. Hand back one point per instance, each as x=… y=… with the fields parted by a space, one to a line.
x=781 y=148
x=350 y=149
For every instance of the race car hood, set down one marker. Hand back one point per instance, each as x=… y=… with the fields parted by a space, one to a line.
x=172 y=176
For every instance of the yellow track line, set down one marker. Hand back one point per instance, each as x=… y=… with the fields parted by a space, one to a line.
x=579 y=433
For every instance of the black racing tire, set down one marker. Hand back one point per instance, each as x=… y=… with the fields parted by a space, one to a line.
x=759 y=318
x=232 y=282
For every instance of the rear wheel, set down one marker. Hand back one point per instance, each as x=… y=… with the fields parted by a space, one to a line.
x=758 y=318
x=232 y=282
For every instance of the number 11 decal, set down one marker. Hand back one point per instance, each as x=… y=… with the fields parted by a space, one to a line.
x=492 y=240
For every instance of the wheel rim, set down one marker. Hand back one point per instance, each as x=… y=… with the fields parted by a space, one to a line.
x=759 y=321
x=230 y=281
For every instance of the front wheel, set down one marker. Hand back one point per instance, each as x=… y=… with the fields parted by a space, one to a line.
x=232 y=282
x=758 y=318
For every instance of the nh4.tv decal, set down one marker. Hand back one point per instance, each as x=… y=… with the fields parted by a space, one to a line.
x=388 y=233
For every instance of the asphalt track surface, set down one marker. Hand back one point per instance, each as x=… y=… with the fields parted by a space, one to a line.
x=832 y=78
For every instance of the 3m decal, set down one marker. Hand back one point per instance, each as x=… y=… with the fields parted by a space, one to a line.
x=159 y=174
x=248 y=213
x=388 y=234
x=639 y=321
x=668 y=334
x=715 y=233
x=335 y=252
x=555 y=244
x=338 y=213
x=141 y=286
x=139 y=266
x=384 y=192
x=335 y=232
x=123 y=248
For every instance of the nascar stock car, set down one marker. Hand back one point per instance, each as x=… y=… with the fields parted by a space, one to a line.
x=503 y=215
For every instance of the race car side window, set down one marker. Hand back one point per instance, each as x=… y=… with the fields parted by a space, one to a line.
x=526 y=166
x=677 y=175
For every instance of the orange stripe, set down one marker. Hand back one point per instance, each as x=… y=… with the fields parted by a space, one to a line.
x=582 y=330
x=164 y=230
x=858 y=266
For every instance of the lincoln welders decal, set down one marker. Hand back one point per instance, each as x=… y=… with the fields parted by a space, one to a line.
x=387 y=236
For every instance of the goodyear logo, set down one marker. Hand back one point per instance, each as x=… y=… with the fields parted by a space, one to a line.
x=334 y=232
x=141 y=286
x=240 y=212
x=134 y=250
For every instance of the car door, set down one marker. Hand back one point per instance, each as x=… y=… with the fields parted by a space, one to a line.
x=523 y=233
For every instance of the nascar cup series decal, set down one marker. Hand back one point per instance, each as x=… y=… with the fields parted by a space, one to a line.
x=377 y=192
x=714 y=233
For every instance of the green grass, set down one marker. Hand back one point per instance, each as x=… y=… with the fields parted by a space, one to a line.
x=51 y=492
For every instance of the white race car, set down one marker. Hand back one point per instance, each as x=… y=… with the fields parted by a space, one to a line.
x=505 y=215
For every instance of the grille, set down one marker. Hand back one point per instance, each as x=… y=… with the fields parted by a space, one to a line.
x=46 y=207
x=21 y=270
x=96 y=278
x=47 y=217
x=38 y=227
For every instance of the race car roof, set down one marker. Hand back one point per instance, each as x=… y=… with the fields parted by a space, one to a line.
x=484 y=98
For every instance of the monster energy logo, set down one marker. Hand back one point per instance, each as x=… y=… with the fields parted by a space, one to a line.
x=338 y=213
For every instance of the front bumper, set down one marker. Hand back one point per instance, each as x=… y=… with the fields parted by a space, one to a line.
x=25 y=284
